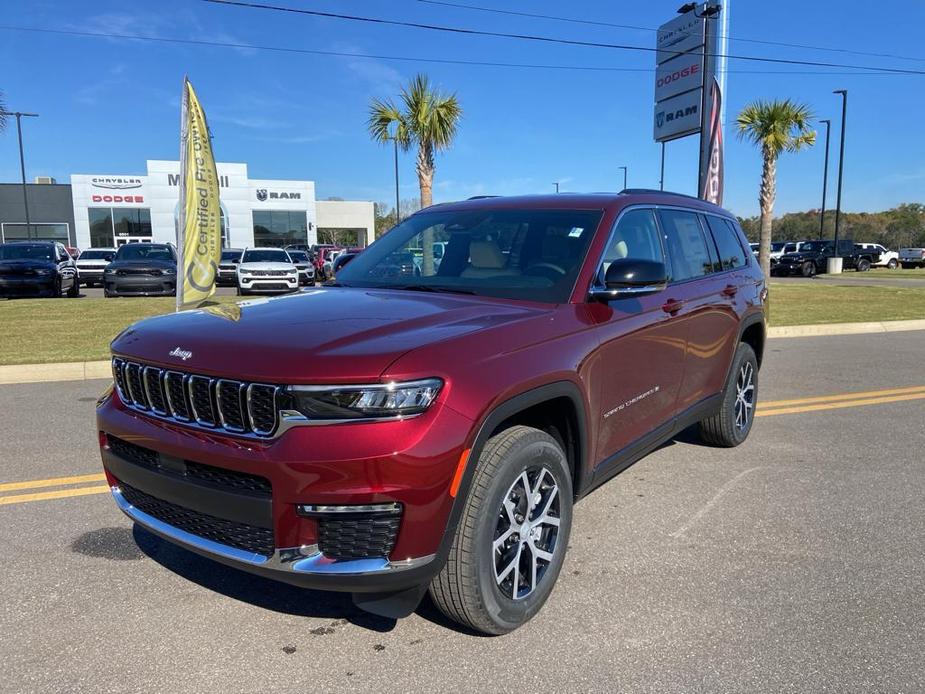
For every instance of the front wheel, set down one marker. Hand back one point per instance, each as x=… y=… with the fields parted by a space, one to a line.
x=74 y=291
x=510 y=543
x=730 y=425
x=808 y=269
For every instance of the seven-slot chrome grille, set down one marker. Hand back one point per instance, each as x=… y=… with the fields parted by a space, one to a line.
x=214 y=403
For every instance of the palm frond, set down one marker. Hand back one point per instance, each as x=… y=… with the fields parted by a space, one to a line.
x=776 y=126
x=386 y=123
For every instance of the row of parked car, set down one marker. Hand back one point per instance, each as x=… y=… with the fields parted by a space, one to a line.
x=807 y=258
x=44 y=268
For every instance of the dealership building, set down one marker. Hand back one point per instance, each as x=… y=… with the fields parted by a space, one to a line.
x=98 y=210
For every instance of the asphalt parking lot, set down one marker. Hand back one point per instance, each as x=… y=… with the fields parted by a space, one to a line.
x=792 y=563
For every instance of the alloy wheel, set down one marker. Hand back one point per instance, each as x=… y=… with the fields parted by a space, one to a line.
x=745 y=396
x=527 y=533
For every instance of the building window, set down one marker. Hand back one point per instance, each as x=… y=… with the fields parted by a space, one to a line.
x=107 y=223
x=223 y=227
x=37 y=231
x=280 y=228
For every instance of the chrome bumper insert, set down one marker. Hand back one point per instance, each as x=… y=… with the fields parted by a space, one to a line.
x=301 y=560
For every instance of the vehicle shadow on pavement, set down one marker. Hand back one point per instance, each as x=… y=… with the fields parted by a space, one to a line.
x=255 y=590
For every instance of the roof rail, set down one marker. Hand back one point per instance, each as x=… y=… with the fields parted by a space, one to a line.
x=482 y=197
x=636 y=191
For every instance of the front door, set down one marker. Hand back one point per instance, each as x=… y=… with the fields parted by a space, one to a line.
x=641 y=355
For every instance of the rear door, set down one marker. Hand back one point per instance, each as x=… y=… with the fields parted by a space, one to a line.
x=698 y=290
x=638 y=364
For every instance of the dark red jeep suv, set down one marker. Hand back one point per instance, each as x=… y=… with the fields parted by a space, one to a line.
x=395 y=432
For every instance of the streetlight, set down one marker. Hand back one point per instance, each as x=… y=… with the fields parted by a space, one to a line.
x=395 y=141
x=556 y=184
x=841 y=165
x=624 y=176
x=22 y=163
x=825 y=177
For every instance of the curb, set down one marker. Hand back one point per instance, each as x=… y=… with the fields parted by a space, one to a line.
x=64 y=371
x=88 y=370
x=892 y=326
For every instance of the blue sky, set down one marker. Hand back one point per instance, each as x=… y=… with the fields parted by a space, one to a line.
x=107 y=105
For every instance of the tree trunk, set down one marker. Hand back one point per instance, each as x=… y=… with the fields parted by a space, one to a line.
x=425 y=169
x=766 y=200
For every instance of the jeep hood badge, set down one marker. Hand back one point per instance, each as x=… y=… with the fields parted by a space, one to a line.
x=184 y=354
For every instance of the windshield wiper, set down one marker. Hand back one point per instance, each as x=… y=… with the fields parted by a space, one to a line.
x=432 y=288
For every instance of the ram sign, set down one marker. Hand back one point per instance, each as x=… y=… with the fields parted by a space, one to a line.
x=678 y=116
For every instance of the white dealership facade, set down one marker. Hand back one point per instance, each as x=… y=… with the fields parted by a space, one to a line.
x=112 y=209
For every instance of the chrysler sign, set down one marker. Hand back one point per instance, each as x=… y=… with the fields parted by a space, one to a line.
x=115 y=182
x=683 y=33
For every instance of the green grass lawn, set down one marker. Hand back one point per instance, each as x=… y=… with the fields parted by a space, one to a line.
x=39 y=331
x=807 y=304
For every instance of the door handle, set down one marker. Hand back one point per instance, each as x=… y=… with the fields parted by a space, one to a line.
x=673 y=306
x=730 y=291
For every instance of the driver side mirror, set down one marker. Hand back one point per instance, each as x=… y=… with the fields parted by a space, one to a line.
x=631 y=277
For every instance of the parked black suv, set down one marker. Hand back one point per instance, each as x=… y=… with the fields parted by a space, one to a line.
x=812 y=256
x=37 y=268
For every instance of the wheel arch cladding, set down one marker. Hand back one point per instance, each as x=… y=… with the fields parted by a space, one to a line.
x=753 y=336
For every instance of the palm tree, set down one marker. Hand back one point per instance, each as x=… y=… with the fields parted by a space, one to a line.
x=775 y=127
x=428 y=119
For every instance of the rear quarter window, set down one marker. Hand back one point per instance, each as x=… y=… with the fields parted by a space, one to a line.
x=731 y=253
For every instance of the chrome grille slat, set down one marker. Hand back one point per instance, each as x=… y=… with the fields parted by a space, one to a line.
x=237 y=407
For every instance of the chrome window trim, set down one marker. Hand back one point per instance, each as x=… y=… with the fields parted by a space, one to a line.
x=595 y=284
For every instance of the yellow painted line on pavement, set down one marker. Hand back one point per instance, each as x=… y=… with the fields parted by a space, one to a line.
x=52 y=482
x=842 y=396
x=838 y=405
x=57 y=494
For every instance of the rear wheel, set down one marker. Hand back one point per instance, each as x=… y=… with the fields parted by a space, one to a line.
x=808 y=269
x=893 y=264
x=511 y=540
x=730 y=425
x=863 y=265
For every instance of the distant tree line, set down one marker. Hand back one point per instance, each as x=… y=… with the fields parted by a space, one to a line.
x=385 y=215
x=901 y=226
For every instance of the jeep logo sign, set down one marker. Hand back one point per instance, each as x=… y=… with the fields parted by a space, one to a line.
x=677 y=116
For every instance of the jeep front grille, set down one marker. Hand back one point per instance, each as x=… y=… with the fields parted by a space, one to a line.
x=237 y=407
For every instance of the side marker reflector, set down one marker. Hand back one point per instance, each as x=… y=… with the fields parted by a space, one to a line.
x=460 y=469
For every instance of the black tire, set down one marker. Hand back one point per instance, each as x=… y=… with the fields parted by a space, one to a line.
x=74 y=291
x=466 y=590
x=863 y=265
x=893 y=264
x=808 y=268
x=722 y=428
x=57 y=291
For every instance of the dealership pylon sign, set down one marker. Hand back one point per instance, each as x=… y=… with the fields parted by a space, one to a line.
x=199 y=229
x=688 y=98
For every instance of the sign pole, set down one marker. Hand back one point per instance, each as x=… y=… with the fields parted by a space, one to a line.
x=706 y=94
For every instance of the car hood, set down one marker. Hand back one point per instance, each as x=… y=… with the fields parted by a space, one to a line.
x=265 y=266
x=25 y=266
x=141 y=265
x=322 y=335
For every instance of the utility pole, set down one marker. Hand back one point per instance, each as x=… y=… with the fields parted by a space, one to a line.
x=825 y=178
x=841 y=162
x=22 y=163
x=624 y=176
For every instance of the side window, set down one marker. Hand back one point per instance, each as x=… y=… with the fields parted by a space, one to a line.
x=727 y=241
x=636 y=236
x=686 y=246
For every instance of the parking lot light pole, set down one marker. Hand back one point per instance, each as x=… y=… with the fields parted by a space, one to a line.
x=624 y=176
x=556 y=184
x=825 y=178
x=841 y=162
x=22 y=163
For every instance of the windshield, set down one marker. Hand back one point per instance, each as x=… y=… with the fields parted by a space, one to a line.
x=145 y=251
x=267 y=256
x=778 y=246
x=815 y=246
x=527 y=254
x=97 y=255
x=27 y=252
x=298 y=256
x=230 y=256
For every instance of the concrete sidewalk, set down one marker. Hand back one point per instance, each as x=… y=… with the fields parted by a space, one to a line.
x=88 y=370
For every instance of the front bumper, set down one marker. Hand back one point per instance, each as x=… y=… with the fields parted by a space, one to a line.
x=89 y=274
x=269 y=284
x=140 y=285
x=227 y=277
x=409 y=463
x=33 y=285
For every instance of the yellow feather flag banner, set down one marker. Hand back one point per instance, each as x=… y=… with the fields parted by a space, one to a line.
x=199 y=230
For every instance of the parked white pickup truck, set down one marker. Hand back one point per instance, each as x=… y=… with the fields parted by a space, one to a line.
x=912 y=257
x=888 y=258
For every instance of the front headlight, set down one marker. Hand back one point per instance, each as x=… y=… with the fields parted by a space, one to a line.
x=44 y=272
x=372 y=401
x=109 y=271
